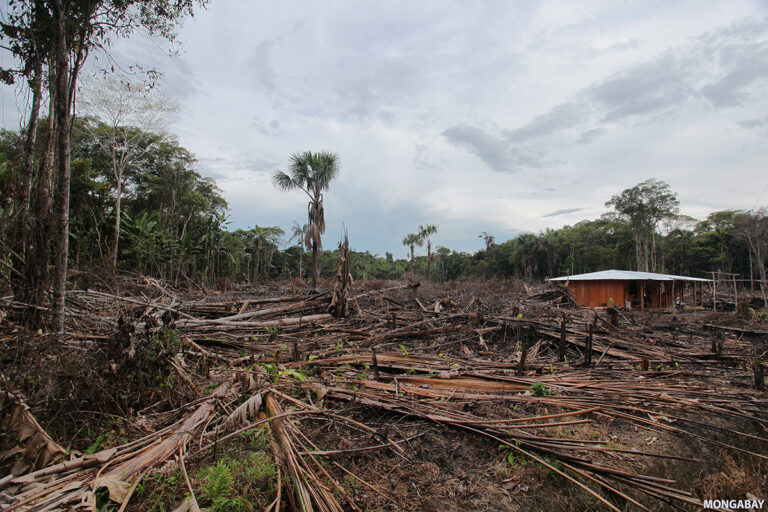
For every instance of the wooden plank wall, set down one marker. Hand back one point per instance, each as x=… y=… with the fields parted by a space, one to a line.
x=598 y=293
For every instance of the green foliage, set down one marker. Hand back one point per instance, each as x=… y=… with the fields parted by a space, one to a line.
x=292 y=373
x=403 y=349
x=97 y=445
x=540 y=389
x=218 y=489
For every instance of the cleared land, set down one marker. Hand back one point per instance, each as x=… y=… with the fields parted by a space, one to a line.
x=469 y=396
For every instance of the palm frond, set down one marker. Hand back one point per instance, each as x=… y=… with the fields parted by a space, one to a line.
x=300 y=168
x=283 y=182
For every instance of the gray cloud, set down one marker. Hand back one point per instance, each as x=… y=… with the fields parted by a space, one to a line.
x=590 y=135
x=734 y=88
x=260 y=67
x=560 y=117
x=722 y=65
x=642 y=90
x=271 y=128
x=563 y=211
x=753 y=123
x=499 y=154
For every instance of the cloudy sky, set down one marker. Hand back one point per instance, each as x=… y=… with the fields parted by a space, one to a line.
x=474 y=116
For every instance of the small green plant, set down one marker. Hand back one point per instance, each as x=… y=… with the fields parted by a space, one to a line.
x=519 y=315
x=97 y=445
x=403 y=350
x=411 y=371
x=551 y=369
x=339 y=346
x=762 y=317
x=540 y=389
x=292 y=373
x=218 y=488
x=312 y=357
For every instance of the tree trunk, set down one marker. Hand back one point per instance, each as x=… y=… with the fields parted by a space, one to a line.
x=35 y=84
x=315 y=265
x=301 y=258
x=63 y=167
x=258 y=257
x=429 y=261
x=21 y=238
x=36 y=270
x=116 y=239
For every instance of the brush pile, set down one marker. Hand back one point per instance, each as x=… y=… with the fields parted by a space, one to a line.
x=382 y=396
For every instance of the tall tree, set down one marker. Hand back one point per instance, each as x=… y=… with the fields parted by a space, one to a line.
x=753 y=227
x=426 y=233
x=644 y=206
x=411 y=240
x=311 y=173
x=298 y=233
x=131 y=113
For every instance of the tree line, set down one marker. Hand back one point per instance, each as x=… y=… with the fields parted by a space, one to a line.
x=174 y=222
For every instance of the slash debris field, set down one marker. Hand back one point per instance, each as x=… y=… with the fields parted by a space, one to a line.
x=378 y=396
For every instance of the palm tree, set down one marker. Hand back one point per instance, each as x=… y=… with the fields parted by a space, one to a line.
x=312 y=173
x=411 y=240
x=426 y=233
x=298 y=233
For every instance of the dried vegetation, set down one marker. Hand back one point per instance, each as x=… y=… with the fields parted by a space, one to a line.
x=466 y=396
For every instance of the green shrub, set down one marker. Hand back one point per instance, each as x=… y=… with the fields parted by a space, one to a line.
x=540 y=389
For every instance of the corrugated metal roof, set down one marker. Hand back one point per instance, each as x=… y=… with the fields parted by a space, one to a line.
x=627 y=275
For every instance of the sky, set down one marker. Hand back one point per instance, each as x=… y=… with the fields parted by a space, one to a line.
x=499 y=117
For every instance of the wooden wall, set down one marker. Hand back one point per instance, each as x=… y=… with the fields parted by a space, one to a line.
x=598 y=293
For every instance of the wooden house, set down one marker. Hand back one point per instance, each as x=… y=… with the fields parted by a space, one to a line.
x=624 y=288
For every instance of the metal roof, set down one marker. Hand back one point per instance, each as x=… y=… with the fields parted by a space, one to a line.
x=627 y=275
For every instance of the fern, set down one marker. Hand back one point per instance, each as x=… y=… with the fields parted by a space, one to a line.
x=218 y=486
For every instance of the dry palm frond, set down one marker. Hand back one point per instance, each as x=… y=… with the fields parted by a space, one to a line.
x=313 y=235
x=320 y=216
x=36 y=448
x=247 y=410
